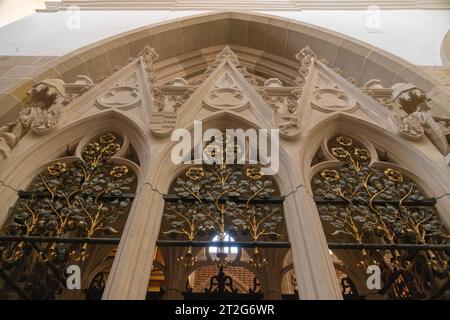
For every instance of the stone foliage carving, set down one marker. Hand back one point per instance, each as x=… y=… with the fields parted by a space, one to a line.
x=306 y=58
x=411 y=113
x=149 y=56
x=167 y=100
x=227 y=53
x=170 y=98
x=284 y=103
x=43 y=111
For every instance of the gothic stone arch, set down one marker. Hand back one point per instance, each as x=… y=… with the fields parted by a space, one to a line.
x=307 y=85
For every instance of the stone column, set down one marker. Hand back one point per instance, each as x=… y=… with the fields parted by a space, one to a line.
x=176 y=273
x=131 y=269
x=312 y=261
x=270 y=273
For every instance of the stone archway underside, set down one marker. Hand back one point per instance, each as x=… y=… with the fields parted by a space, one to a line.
x=266 y=45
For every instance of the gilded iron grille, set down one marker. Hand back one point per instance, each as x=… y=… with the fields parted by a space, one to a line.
x=73 y=202
x=219 y=201
x=376 y=208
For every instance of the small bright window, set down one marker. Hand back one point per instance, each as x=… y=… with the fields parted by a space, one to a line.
x=228 y=250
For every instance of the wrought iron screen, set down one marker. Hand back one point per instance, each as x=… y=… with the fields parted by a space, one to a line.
x=385 y=217
x=75 y=201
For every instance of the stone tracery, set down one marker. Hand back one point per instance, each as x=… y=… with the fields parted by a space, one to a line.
x=291 y=114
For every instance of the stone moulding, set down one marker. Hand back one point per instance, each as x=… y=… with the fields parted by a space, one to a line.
x=280 y=5
x=280 y=59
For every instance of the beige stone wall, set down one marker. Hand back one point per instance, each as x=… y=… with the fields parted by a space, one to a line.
x=14 y=69
x=261 y=47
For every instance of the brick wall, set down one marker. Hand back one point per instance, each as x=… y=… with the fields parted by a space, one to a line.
x=204 y=273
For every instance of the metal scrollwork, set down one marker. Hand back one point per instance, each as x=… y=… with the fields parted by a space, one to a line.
x=70 y=199
x=362 y=203
x=222 y=199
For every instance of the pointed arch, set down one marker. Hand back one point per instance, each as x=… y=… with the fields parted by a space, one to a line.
x=411 y=156
x=362 y=199
x=18 y=169
x=70 y=201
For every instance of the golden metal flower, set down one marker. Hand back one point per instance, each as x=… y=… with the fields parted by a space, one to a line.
x=330 y=175
x=235 y=149
x=339 y=152
x=211 y=150
x=107 y=138
x=55 y=169
x=119 y=171
x=254 y=173
x=362 y=154
x=344 y=141
x=91 y=148
x=195 y=173
x=112 y=148
x=393 y=175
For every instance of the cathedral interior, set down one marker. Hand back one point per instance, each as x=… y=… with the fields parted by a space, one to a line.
x=359 y=208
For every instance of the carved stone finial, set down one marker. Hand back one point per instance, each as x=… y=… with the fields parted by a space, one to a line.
x=149 y=56
x=227 y=54
x=306 y=57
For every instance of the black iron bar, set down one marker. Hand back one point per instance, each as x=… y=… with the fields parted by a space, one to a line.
x=389 y=246
x=318 y=200
x=271 y=200
x=12 y=285
x=45 y=195
x=392 y=278
x=241 y=244
x=274 y=244
x=244 y=244
x=60 y=239
x=394 y=202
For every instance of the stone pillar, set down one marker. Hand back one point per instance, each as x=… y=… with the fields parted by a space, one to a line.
x=313 y=266
x=176 y=273
x=134 y=259
x=271 y=273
